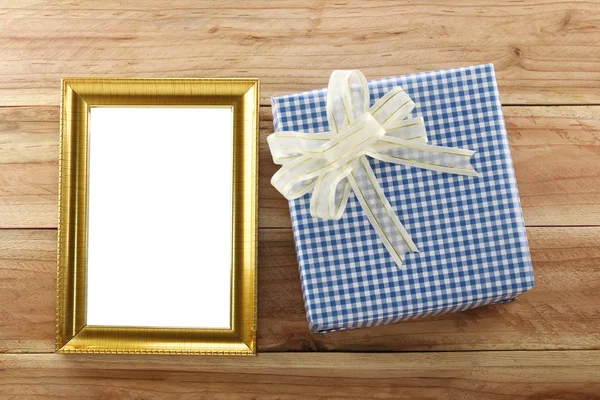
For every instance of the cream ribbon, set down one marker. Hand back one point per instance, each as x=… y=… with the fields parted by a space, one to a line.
x=331 y=164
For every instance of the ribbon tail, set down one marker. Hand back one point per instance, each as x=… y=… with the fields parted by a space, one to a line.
x=378 y=210
x=421 y=155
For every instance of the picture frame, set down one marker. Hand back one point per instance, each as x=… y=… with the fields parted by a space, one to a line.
x=80 y=97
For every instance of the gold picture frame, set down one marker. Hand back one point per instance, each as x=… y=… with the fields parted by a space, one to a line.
x=79 y=95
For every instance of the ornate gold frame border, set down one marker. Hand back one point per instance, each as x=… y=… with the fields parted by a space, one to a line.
x=73 y=335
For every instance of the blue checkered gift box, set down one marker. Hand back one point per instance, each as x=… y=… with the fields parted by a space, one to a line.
x=470 y=231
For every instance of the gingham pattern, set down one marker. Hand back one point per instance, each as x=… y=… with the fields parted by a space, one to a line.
x=469 y=230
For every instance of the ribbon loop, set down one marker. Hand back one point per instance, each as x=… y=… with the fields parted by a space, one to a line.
x=347 y=98
x=287 y=145
x=334 y=163
x=395 y=105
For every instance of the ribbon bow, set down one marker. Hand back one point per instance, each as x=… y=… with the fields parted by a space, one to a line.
x=330 y=164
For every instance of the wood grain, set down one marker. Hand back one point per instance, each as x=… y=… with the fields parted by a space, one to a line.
x=27 y=290
x=29 y=166
x=556 y=151
x=468 y=376
x=560 y=313
x=544 y=51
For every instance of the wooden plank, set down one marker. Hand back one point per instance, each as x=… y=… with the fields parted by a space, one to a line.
x=27 y=290
x=545 y=51
x=560 y=313
x=468 y=376
x=556 y=151
x=29 y=166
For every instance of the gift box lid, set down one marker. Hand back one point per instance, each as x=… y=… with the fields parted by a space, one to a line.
x=470 y=231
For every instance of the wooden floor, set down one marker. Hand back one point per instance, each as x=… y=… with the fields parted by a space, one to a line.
x=547 y=58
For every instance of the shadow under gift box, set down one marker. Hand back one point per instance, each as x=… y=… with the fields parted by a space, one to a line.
x=469 y=230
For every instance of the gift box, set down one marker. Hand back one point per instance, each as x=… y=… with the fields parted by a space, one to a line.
x=470 y=232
